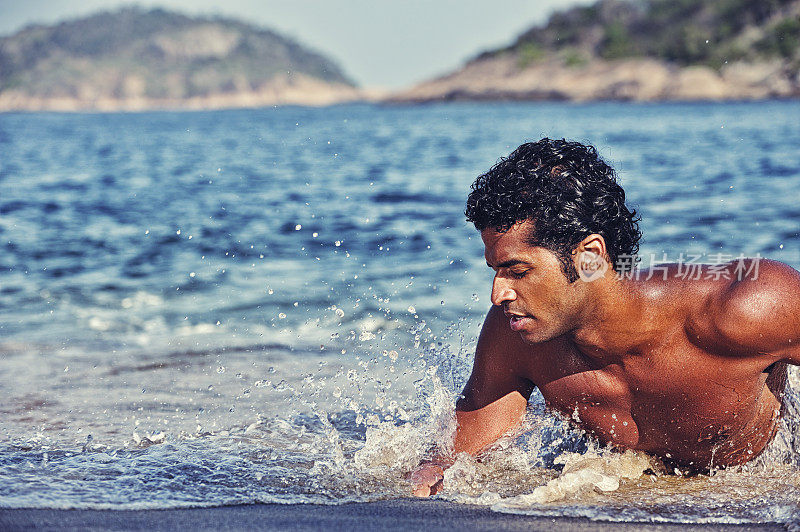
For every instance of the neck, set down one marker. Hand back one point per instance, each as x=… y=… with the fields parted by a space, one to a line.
x=616 y=323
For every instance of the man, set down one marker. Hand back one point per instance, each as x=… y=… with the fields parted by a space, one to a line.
x=689 y=368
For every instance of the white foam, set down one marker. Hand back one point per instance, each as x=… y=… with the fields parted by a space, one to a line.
x=590 y=471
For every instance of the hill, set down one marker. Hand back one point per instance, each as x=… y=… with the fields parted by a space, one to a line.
x=137 y=59
x=640 y=50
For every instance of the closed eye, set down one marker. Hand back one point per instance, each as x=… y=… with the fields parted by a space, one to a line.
x=510 y=264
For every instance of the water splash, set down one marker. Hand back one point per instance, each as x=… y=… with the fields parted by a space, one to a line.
x=310 y=429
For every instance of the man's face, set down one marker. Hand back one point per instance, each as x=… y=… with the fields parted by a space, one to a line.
x=530 y=285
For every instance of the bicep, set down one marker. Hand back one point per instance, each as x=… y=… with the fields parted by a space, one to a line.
x=497 y=370
x=496 y=394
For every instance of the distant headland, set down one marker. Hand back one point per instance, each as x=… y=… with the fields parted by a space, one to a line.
x=135 y=59
x=639 y=50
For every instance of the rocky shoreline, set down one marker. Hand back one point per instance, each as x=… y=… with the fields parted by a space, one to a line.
x=299 y=90
x=493 y=79
x=643 y=80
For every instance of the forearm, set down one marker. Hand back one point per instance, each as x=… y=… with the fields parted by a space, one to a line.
x=475 y=430
x=478 y=429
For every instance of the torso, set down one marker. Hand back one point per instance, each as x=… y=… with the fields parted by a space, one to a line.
x=679 y=398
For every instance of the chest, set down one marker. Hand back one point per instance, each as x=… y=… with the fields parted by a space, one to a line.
x=673 y=394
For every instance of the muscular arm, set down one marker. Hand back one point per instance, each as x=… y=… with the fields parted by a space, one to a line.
x=495 y=396
x=760 y=314
x=493 y=401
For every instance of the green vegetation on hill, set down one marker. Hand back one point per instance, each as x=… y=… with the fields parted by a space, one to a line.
x=136 y=53
x=685 y=32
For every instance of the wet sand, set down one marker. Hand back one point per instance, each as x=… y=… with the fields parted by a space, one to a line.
x=402 y=514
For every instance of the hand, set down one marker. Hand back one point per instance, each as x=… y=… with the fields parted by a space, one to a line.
x=427 y=480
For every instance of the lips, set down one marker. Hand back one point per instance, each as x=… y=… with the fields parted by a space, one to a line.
x=518 y=322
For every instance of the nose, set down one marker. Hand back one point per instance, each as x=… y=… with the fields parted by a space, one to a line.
x=502 y=291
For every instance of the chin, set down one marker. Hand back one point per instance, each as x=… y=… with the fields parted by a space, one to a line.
x=536 y=337
x=540 y=334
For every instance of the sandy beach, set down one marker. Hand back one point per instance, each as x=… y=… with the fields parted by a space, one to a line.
x=402 y=514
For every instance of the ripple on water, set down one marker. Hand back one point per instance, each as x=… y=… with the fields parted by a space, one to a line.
x=321 y=258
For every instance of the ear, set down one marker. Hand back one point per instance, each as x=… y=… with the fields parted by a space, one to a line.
x=593 y=243
x=590 y=258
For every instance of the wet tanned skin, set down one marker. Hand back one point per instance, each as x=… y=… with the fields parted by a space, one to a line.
x=688 y=370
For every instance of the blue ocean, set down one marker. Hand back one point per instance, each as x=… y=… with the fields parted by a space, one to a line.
x=281 y=304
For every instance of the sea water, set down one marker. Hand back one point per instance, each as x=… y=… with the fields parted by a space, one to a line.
x=281 y=305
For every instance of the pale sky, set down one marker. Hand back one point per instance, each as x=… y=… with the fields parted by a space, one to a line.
x=378 y=43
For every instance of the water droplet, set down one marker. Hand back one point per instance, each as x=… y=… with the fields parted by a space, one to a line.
x=220 y=369
x=298 y=227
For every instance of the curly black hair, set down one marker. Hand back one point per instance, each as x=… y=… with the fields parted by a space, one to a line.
x=567 y=191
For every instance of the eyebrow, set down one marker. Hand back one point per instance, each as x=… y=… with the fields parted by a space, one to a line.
x=507 y=264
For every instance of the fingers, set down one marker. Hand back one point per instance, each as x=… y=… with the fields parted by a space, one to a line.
x=421 y=491
x=427 y=481
x=425 y=476
x=425 y=490
x=436 y=488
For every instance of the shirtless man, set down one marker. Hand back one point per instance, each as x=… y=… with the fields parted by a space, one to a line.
x=689 y=368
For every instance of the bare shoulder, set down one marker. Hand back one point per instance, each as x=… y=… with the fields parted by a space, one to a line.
x=497 y=338
x=756 y=309
x=499 y=364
